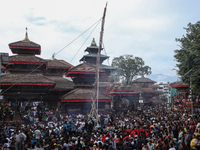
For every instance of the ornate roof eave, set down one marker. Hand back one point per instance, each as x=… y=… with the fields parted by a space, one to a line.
x=123 y=94
x=180 y=86
x=142 y=80
x=16 y=79
x=86 y=100
x=70 y=74
x=88 y=56
x=57 y=64
x=84 y=94
x=85 y=69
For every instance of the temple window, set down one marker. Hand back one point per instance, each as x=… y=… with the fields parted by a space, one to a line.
x=143 y=84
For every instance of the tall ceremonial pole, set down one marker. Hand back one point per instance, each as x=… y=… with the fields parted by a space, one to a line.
x=95 y=97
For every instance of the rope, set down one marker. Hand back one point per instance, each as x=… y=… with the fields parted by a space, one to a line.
x=77 y=37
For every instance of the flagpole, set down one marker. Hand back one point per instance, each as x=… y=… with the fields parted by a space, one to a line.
x=96 y=84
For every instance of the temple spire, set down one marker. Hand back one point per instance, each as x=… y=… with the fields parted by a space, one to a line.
x=53 y=56
x=26 y=37
x=93 y=43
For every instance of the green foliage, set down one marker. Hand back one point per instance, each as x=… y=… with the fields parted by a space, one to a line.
x=188 y=56
x=129 y=67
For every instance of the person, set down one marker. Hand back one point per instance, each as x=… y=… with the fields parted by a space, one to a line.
x=11 y=115
x=65 y=131
x=37 y=135
x=23 y=136
x=193 y=142
x=180 y=146
x=145 y=147
x=18 y=140
x=150 y=145
x=188 y=138
x=4 y=115
x=171 y=145
x=94 y=147
x=69 y=127
x=1 y=113
x=102 y=122
x=113 y=143
x=127 y=147
x=40 y=114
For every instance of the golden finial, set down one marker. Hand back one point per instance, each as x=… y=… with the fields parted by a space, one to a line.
x=52 y=58
x=26 y=37
x=93 y=43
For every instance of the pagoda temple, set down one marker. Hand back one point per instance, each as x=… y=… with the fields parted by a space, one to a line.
x=83 y=76
x=32 y=78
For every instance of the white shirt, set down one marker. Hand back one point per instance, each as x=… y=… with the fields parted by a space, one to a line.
x=37 y=134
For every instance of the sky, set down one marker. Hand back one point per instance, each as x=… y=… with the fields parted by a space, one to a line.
x=142 y=28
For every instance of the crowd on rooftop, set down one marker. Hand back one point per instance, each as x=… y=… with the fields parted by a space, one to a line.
x=151 y=128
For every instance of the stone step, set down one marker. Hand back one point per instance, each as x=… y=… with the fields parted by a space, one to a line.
x=15 y=118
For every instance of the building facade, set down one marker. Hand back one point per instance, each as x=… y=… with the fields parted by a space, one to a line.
x=165 y=89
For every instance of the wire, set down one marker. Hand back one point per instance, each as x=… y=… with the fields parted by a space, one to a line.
x=97 y=23
x=77 y=37
x=85 y=40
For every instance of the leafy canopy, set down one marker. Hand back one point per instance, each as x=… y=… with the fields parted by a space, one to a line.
x=129 y=67
x=188 y=56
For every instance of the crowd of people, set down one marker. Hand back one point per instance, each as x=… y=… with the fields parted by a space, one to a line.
x=151 y=128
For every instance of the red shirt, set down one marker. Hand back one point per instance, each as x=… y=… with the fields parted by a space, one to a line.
x=127 y=137
x=138 y=131
x=116 y=140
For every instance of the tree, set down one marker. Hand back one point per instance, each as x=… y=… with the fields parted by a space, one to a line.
x=188 y=56
x=129 y=67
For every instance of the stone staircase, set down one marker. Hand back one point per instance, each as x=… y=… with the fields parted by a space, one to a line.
x=16 y=117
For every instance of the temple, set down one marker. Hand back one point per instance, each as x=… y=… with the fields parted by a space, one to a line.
x=34 y=79
x=141 y=92
x=83 y=76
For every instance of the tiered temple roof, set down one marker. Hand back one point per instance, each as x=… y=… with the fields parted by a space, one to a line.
x=25 y=47
x=57 y=64
x=92 y=56
x=84 y=68
x=84 y=95
x=26 y=59
x=147 y=80
x=179 y=84
x=29 y=79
